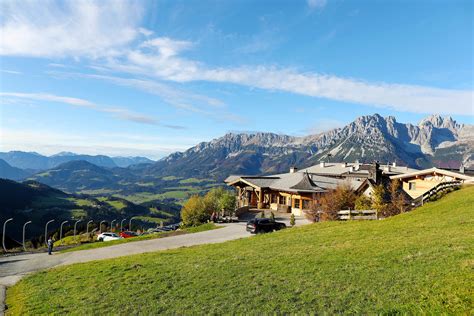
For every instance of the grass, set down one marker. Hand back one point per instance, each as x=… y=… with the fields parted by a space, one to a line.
x=193 y=180
x=118 y=205
x=189 y=230
x=415 y=263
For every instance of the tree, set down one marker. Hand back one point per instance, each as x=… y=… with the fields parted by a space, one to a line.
x=342 y=197
x=194 y=211
x=379 y=198
x=292 y=220
x=398 y=201
x=198 y=210
x=272 y=216
x=363 y=202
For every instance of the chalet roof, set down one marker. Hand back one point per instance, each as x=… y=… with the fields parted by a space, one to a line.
x=305 y=184
x=296 y=182
x=432 y=171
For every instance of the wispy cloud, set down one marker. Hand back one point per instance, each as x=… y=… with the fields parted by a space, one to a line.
x=13 y=72
x=116 y=112
x=110 y=32
x=400 y=97
x=179 y=98
x=316 y=4
x=71 y=29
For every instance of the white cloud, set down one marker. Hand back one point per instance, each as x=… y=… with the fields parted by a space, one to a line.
x=400 y=97
x=117 y=112
x=12 y=72
x=50 y=142
x=316 y=4
x=71 y=29
x=110 y=31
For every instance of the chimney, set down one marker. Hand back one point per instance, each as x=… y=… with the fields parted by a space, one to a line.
x=394 y=164
x=461 y=169
x=322 y=164
x=293 y=169
x=351 y=169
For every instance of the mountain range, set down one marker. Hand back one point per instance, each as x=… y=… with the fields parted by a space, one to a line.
x=434 y=141
x=37 y=162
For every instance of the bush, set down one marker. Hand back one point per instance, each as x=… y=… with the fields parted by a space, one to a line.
x=194 y=211
x=379 y=199
x=292 y=220
x=341 y=198
x=363 y=202
x=197 y=210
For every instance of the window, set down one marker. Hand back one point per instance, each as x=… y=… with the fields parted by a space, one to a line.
x=274 y=198
x=306 y=204
x=282 y=200
x=297 y=203
x=411 y=185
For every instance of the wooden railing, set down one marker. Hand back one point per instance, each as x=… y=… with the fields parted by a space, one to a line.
x=357 y=215
x=440 y=187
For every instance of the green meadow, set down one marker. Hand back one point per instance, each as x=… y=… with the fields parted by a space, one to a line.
x=419 y=262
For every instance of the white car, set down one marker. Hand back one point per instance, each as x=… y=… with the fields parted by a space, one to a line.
x=108 y=237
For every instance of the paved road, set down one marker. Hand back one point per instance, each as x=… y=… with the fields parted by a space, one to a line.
x=13 y=268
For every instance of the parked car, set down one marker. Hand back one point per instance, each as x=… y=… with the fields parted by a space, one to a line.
x=128 y=234
x=263 y=225
x=108 y=237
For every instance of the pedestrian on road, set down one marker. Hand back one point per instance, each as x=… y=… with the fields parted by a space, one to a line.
x=50 y=245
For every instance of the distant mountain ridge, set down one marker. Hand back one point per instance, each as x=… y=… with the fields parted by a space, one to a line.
x=12 y=173
x=434 y=141
x=35 y=161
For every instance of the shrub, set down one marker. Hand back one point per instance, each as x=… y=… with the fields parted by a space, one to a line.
x=379 y=199
x=398 y=202
x=342 y=197
x=292 y=220
x=194 y=211
x=363 y=202
x=262 y=214
x=197 y=210
x=272 y=216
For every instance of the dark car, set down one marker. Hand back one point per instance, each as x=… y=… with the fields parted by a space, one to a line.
x=263 y=225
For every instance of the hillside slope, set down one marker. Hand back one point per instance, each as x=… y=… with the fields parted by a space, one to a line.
x=12 y=173
x=415 y=263
x=39 y=203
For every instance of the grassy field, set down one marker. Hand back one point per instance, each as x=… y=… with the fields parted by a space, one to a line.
x=418 y=262
x=93 y=245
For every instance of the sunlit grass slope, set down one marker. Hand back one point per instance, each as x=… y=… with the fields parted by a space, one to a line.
x=419 y=262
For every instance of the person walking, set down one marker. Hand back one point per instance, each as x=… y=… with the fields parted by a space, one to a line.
x=50 y=246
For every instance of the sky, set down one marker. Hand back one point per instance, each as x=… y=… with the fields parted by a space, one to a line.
x=148 y=78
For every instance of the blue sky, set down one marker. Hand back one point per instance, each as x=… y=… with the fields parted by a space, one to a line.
x=153 y=77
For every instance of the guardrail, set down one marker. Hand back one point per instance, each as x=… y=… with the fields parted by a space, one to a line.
x=357 y=215
x=419 y=201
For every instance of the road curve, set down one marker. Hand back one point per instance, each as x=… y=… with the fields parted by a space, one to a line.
x=13 y=268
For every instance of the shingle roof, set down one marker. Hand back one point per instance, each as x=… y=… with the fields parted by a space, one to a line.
x=298 y=182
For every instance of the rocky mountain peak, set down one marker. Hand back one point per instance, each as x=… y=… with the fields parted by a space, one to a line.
x=438 y=121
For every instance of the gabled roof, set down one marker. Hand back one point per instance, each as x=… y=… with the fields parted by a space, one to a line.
x=430 y=171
